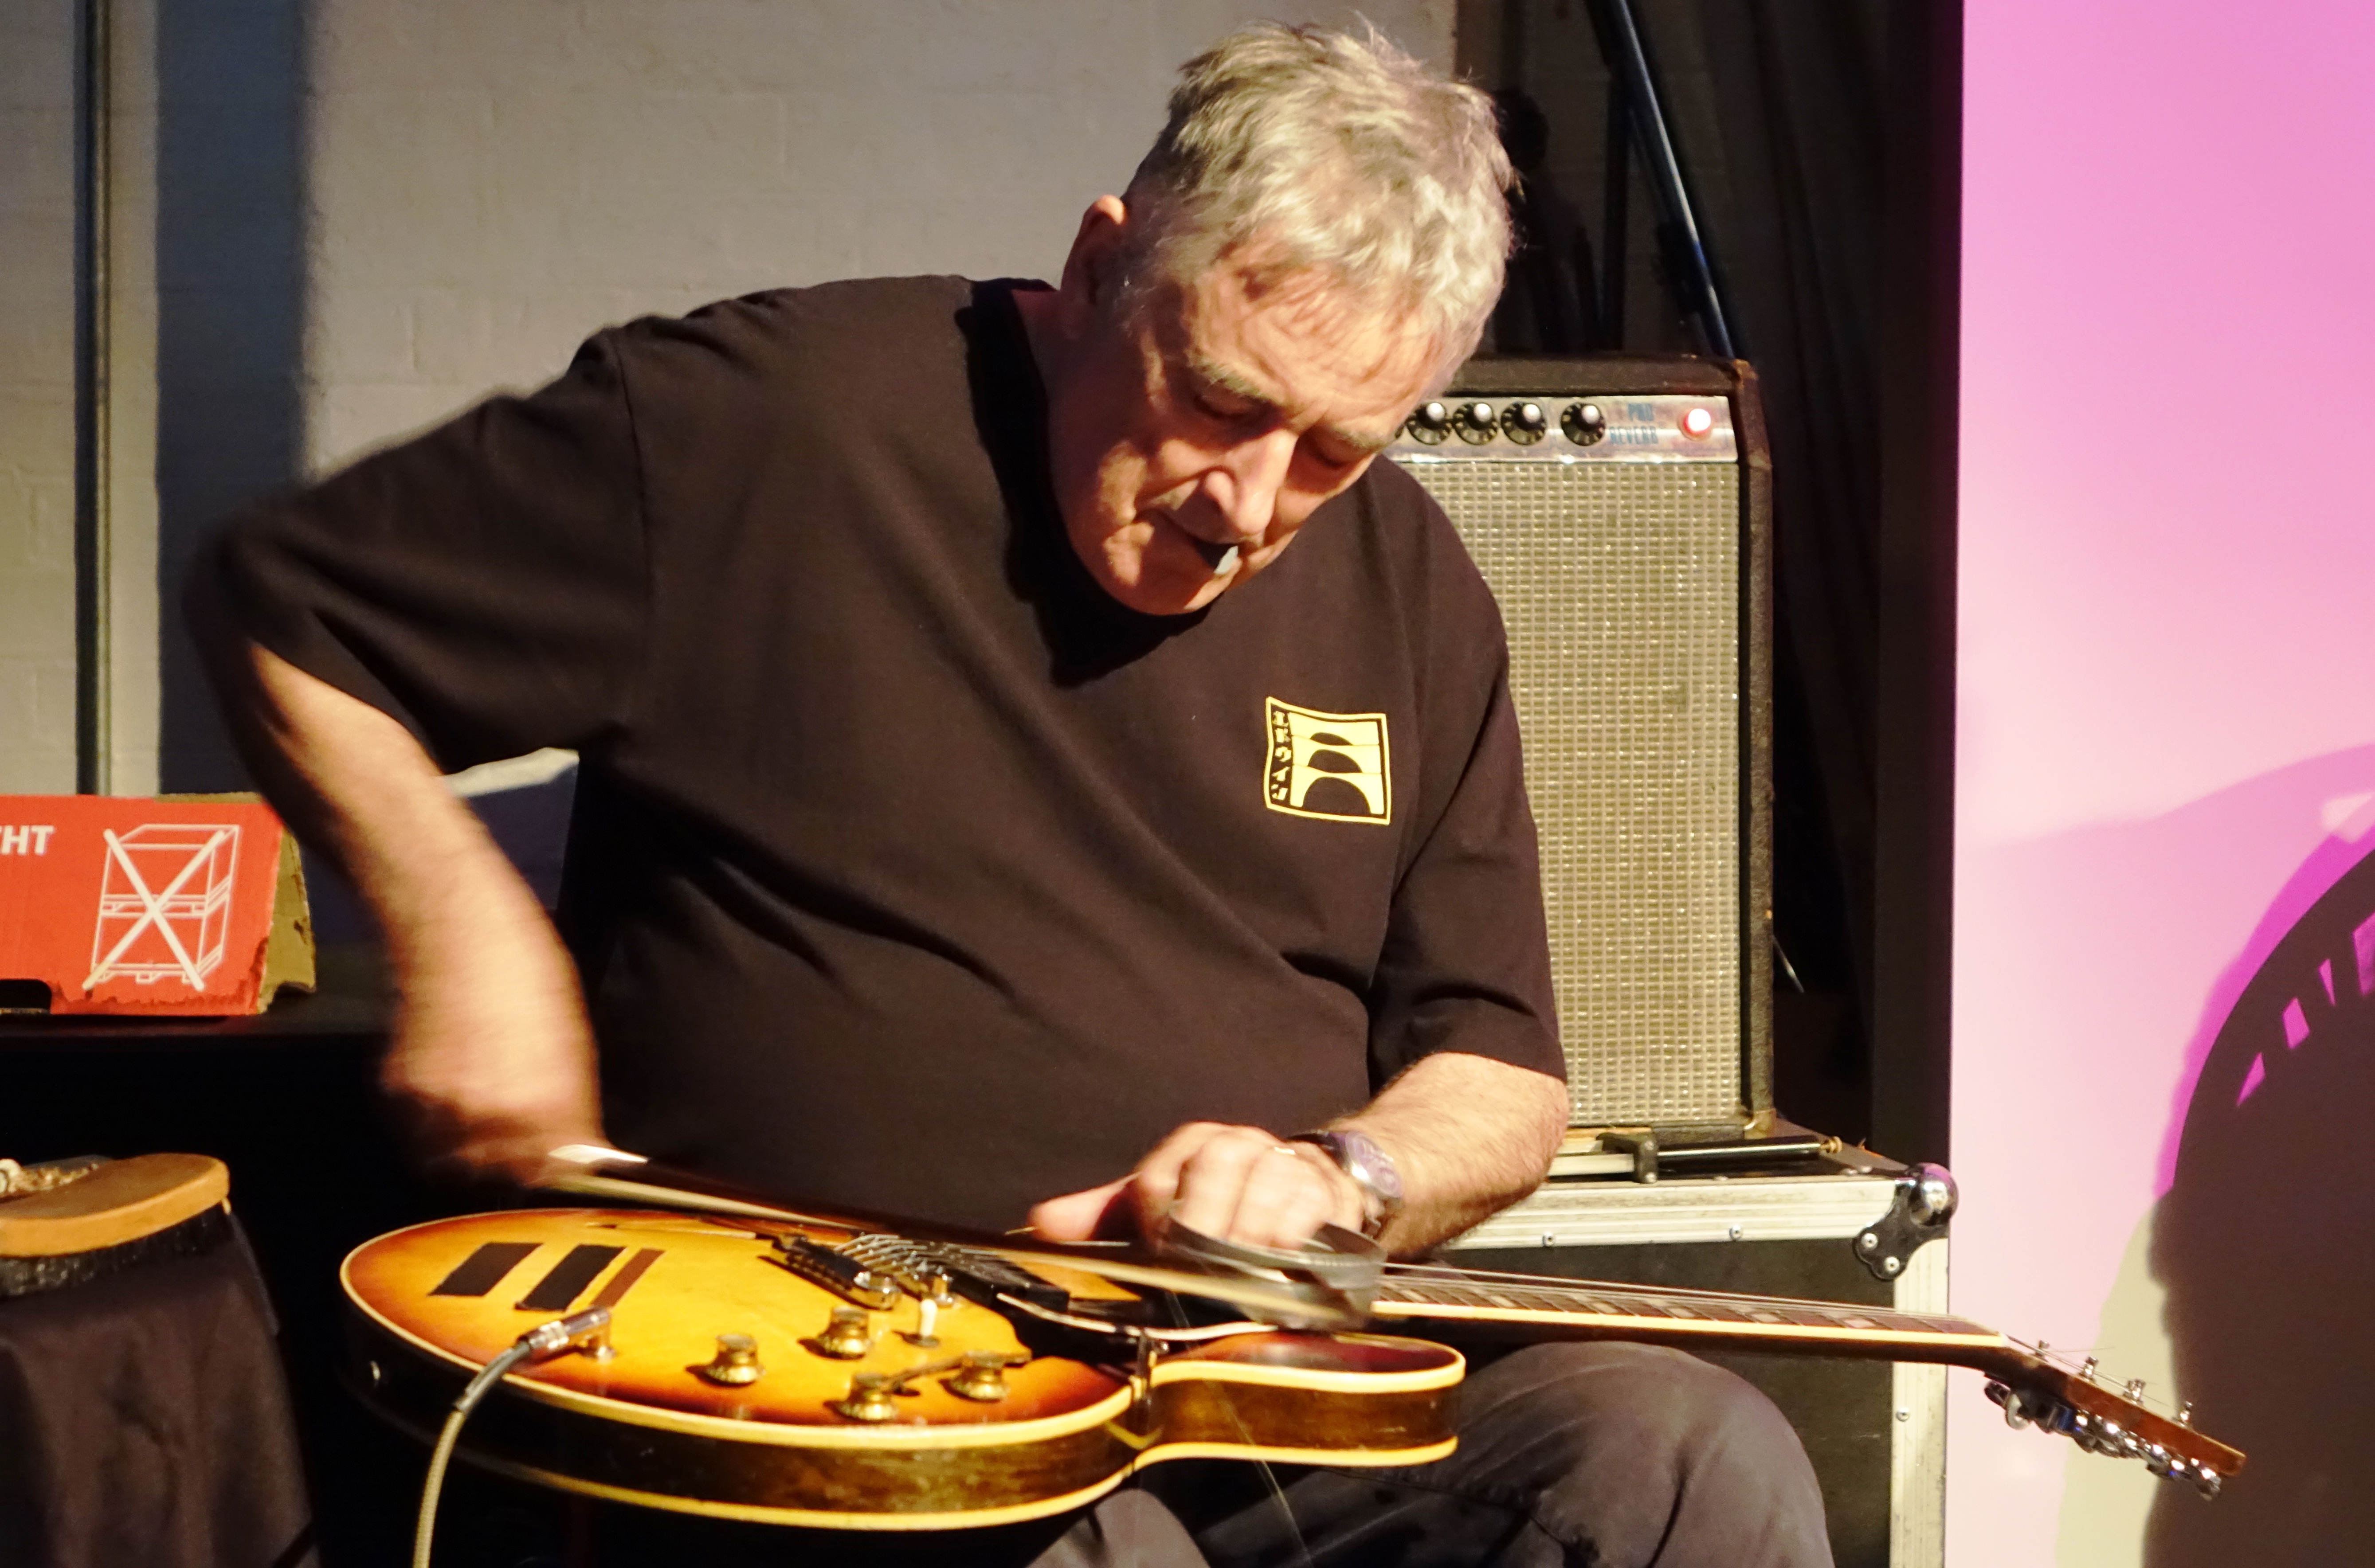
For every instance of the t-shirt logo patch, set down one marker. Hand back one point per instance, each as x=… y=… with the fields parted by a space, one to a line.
x=1332 y=765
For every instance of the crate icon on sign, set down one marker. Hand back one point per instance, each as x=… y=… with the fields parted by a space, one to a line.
x=164 y=904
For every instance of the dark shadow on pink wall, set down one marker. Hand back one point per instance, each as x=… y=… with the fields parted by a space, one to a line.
x=2262 y=1241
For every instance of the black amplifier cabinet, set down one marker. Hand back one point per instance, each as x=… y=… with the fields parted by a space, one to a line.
x=1617 y=507
x=1875 y=1431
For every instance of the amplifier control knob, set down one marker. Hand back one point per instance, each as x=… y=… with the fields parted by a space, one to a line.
x=1475 y=423
x=1525 y=422
x=1584 y=423
x=1430 y=423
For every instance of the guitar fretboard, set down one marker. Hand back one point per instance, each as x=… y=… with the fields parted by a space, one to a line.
x=1450 y=1296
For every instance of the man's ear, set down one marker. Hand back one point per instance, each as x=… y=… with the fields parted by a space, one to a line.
x=1092 y=269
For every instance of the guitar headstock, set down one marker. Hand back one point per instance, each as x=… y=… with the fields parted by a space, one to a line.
x=2037 y=1390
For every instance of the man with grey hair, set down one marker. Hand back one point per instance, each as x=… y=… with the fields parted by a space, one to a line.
x=983 y=814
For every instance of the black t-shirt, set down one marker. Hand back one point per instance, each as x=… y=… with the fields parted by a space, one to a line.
x=909 y=868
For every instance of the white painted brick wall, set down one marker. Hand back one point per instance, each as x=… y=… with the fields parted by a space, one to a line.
x=484 y=184
x=490 y=183
x=37 y=687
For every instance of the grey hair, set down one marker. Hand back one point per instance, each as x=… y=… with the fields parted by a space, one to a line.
x=1301 y=149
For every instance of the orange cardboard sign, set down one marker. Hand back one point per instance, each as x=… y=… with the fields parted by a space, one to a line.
x=150 y=906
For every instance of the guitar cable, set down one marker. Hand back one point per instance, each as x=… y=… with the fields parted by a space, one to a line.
x=540 y=1343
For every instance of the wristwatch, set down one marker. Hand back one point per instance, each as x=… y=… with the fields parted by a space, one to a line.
x=1358 y=1156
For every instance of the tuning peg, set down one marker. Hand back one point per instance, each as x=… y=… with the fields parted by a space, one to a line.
x=2135 y=1388
x=2086 y=1369
x=2185 y=1414
x=2205 y=1481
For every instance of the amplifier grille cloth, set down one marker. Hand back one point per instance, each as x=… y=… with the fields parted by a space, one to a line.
x=1620 y=582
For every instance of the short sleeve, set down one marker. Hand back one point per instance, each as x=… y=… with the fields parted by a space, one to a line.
x=1466 y=961
x=486 y=584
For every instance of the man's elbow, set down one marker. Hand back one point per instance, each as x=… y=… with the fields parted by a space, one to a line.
x=1549 y=1106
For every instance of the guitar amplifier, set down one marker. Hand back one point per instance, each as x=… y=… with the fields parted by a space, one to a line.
x=1617 y=507
x=1875 y=1431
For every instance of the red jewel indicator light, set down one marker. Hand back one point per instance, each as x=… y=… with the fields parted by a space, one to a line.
x=1698 y=424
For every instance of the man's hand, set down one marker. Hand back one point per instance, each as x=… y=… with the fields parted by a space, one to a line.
x=1467 y=1136
x=491 y=1060
x=1239 y=1183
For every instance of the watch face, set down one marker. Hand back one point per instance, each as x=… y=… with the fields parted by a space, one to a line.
x=1368 y=1165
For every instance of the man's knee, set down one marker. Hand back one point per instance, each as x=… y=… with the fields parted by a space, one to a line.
x=1655 y=1455
x=1653 y=1394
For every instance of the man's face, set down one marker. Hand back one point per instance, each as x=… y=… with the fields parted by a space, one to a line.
x=1191 y=443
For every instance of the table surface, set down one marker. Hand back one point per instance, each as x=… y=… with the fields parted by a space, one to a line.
x=350 y=998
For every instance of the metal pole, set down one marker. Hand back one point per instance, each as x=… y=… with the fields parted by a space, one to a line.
x=93 y=297
x=1686 y=255
x=1616 y=244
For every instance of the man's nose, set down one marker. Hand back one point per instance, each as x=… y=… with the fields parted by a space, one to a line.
x=1244 y=484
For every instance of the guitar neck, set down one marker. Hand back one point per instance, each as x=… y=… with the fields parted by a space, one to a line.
x=2030 y=1389
x=1693 y=1319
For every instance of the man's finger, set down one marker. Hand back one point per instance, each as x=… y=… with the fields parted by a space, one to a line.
x=1154 y=1186
x=1284 y=1203
x=1212 y=1180
x=1082 y=1215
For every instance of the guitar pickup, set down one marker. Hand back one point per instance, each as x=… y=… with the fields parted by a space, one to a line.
x=983 y=1277
x=845 y=1277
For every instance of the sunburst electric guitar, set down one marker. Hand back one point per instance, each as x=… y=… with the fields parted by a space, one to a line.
x=761 y=1364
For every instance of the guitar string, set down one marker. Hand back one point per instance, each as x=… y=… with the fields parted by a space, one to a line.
x=2063 y=1361
x=1443 y=1274
x=1480 y=1277
x=1179 y=1309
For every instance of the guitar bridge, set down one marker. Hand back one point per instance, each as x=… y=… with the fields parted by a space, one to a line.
x=845 y=1277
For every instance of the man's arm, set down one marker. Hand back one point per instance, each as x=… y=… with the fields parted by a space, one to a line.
x=490 y=1048
x=1467 y=1135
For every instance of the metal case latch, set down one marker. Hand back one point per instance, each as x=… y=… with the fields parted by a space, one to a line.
x=1925 y=1201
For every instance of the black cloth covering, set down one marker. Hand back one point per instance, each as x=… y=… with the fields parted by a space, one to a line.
x=909 y=868
x=144 y=1421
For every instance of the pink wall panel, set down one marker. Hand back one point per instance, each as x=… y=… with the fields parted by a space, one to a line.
x=2167 y=724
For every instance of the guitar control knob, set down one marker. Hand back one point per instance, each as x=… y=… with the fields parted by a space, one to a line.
x=1474 y=423
x=849 y=1336
x=981 y=1379
x=1430 y=423
x=736 y=1362
x=1585 y=423
x=1525 y=423
x=870 y=1400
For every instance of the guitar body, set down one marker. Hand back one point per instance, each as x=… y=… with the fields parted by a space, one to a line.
x=854 y=1423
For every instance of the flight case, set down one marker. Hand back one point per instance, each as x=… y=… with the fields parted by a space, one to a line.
x=1875 y=1431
